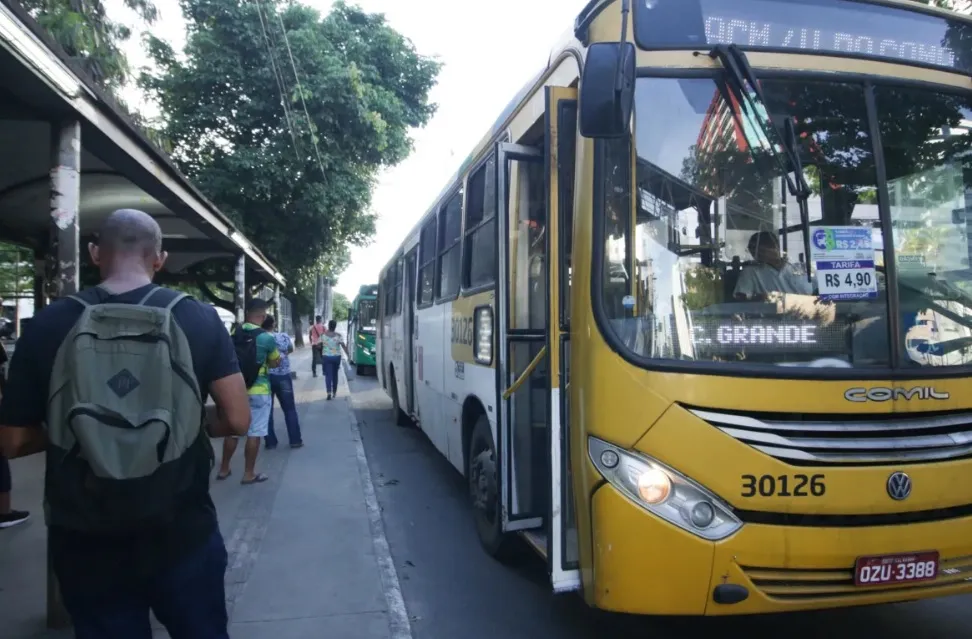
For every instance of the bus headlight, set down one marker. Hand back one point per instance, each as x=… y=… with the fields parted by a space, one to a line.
x=664 y=491
x=483 y=335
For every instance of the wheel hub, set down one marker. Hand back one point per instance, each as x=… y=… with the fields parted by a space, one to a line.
x=483 y=483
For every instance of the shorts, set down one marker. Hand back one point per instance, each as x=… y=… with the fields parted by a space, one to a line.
x=260 y=408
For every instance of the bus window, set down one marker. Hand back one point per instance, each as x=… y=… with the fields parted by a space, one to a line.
x=391 y=289
x=928 y=184
x=426 y=263
x=480 y=251
x=383 y=310
x=450 y=231
x=397 y=290
x=528 y=246
x=714 y=250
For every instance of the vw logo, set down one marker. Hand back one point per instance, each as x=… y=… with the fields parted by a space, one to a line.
x=899 y=486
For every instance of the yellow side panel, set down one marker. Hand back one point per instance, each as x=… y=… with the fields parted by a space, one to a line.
x=554 y=96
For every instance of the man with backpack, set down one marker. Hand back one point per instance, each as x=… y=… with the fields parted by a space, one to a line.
x=112 y=383
x=256 y=350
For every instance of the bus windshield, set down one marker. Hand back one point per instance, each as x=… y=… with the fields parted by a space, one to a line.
x=708 y=256
x=367 y=315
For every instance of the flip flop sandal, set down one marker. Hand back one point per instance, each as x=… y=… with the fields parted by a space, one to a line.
x=222 y=477
x=259 y=478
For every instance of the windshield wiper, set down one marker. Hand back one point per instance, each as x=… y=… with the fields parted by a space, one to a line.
x=740 y=74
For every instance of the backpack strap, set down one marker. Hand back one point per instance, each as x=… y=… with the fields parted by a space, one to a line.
x=97 y=295
x=152 y=291
x=162 y=297
x=90 y=296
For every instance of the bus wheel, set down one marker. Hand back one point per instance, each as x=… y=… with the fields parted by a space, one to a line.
x=359 y=369
x=484 y=492
x=401 y=417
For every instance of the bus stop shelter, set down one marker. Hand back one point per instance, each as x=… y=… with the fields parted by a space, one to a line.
x=71 y=157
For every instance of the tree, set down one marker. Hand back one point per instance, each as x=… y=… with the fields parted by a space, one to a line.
x=295 y=173
x=961 y=6
x=16 y=271
x=342 y=307
x=85 y=32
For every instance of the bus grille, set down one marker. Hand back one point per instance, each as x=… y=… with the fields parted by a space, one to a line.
x=798 y=585
x=849 y=440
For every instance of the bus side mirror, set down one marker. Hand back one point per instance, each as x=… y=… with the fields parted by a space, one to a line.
x=607 y=90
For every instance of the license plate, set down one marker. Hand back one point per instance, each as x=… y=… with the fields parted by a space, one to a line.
x=896 y=569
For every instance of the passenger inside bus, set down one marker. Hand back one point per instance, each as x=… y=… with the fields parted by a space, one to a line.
x=772 y=272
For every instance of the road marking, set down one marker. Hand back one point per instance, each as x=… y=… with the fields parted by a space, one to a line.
x=398 y=622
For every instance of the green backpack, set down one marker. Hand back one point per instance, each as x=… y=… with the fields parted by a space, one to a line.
x=124 y=416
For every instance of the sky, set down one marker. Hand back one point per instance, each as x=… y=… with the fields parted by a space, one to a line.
x=489 y=51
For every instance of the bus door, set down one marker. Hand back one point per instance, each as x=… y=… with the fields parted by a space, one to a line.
x=522 y=363
x=560 y=141
x=352 y=332
x=535 y=187
x=409 y=330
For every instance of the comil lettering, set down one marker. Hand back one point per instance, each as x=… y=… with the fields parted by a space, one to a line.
x=882 y=394
x=751 y=335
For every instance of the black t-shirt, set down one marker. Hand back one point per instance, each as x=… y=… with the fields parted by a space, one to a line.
x=25 y=404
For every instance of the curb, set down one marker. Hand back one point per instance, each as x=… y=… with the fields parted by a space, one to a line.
x=399 y=625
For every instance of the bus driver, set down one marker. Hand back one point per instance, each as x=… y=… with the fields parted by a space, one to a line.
x=772 y=273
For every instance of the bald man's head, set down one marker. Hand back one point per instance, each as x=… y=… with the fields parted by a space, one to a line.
x=128 y=238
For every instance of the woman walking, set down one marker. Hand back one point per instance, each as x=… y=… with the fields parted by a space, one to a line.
x=332 y=343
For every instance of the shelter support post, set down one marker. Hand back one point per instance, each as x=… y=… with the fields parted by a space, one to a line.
x=277 y=314
x=65 y=201
x=65 y=238
x=239 y=289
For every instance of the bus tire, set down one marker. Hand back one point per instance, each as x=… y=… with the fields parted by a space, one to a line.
x=400 y=417
x=484 y=493
x=359 y=369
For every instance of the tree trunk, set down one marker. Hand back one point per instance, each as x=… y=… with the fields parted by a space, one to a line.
x=298 y=332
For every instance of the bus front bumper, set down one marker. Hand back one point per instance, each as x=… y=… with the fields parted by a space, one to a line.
x=645 y=565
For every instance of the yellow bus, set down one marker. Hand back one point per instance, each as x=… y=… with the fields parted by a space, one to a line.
x=694 y=319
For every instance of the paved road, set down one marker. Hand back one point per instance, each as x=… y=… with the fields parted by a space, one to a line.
x=453 y=589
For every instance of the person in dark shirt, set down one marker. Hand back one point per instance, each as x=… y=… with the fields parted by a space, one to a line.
x=8 y=516
x=110 y=582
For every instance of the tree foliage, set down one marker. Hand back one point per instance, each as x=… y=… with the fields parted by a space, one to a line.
x=16 y=271
x=85 y=32
x=962 y=6
x=342 y=307
x=298 y=183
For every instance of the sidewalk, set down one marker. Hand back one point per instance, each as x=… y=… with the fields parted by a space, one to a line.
x=307 y=552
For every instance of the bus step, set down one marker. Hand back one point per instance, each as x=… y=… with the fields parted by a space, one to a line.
x=536 y=540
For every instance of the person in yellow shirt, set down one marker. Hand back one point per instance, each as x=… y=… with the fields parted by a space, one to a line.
x=261 y=401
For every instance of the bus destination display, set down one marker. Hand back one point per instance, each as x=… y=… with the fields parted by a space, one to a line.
x=725 y=335
x=821 y=26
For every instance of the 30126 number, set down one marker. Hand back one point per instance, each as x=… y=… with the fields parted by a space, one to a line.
x=784 y=485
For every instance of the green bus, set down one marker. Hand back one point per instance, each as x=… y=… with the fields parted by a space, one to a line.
x=362 y=321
